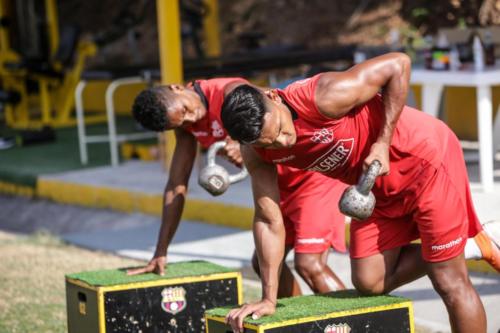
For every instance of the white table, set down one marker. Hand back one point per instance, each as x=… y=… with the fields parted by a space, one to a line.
x=433 y=83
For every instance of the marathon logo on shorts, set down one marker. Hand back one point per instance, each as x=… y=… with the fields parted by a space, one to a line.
x=310 y=240
x=447 y=245
x=335 y=157
x=337 y=328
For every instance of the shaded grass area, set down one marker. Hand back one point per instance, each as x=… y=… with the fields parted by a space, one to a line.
x=32 y=296
x=22 y=165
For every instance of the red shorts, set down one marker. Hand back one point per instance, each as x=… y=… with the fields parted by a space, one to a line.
x=313 y=222
x=437 y=208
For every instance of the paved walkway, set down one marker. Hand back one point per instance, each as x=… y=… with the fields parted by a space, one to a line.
x=148 y=178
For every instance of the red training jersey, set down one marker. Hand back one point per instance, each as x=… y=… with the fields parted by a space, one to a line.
x=338 y=147
x=209 y=129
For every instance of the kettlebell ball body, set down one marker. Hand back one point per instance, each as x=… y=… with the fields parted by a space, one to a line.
x=215 y=178
x=358 y=201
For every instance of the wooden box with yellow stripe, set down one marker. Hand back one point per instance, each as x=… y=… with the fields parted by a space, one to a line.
x=337 y=312
x=111 y=301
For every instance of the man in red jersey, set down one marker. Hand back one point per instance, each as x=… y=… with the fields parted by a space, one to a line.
x=194 y=113
x=337 y=123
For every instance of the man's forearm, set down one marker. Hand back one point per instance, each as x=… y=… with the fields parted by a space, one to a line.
x=270 y=244
x=173 y=205
x=175 y=191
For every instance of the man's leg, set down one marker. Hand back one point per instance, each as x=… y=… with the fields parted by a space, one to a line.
x=314 y=269
x=383 y=272
x=451 y=280
x=313 y=225
x=386 y=271
x=288 y=285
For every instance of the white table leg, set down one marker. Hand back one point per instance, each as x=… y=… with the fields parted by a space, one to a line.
x=485 y=133
x=82 y=138
x=110 y=112
x=496 y=132
x=431 y=96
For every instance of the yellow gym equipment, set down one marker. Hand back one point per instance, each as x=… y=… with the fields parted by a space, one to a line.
x=39 y=74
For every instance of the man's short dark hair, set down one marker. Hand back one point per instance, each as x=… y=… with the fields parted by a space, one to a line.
x=149 y=110
x=243 y=113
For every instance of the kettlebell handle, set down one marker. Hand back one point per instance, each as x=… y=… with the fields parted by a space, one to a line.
x=367 y=180
x=212 y=152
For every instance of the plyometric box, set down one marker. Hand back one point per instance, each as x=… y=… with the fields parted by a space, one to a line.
x=337 y=312
x=110 y=301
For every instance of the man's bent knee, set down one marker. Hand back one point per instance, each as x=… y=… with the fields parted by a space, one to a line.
x=451 y=288
x=368 y=286
x=369 y=274
x=309 y=266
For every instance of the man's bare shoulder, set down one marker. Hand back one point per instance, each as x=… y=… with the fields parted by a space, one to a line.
x=326 y=79
x=332 y=94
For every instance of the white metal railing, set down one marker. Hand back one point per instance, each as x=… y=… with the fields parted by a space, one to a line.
x=112 y=137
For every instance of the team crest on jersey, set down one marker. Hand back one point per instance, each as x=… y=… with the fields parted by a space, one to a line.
x=323 y=135
x=173 y=300
x=337 y=328
x=217 y=130
x=335 y=157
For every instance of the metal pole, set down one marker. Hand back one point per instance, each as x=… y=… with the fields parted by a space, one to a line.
x=53 y=25
x=80 y=118
x=169 y=38
x=485 y=133
x=211 y=29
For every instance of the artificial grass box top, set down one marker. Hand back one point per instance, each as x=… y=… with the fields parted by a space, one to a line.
x=294 y=308
x=174 y=270
x=112 y=301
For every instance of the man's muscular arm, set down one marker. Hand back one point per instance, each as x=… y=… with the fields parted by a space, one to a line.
x=174 y=197
x=338 y=93
x=269 y=237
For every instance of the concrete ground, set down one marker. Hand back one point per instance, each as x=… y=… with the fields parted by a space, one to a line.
x=150 y=178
